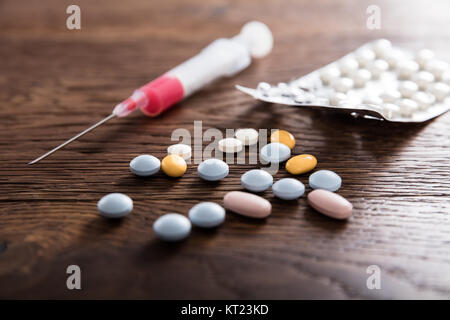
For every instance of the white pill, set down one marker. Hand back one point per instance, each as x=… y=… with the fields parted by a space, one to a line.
x=381 y=47
x=393 y=57
x=182 y=150
x=423 y=56
x=337 y=98
x=423 y=79
x=436 y=67
x=373 y=100
x=275 y=152
x=408 y=107
x=348 y=65
x=445 y=77
x=408 y=88
x=423 y=99
x=145 y=165
x=264 y=86
x=361 y=77
x=230 y=145
x=342 y=84
x=248 y=137
x=207 y=215
x=439 y=90
x=115 y=205
x=172 y=227
x=407 y=68
x=391 y=110
x=364 y=56
x=378 y=67
x=327 y=75
x=390 y=95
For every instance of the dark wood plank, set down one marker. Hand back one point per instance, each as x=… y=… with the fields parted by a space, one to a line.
x=55 y=82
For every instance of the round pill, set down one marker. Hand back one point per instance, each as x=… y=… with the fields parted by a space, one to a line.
x=172 y=227
x=391 y=110
x=406 y=69
x=436 y=67
x=207 y=215
x=408 y=107
x=328 y=74
x=173 y=165
x=342 y=84
x=180 y=149
x=275 y=152
x=330 y=204
x=256 y=180
x=423 y=79
x=264 y=86
x=408 y=88
x=338 y=98
x=378 y=67
x=439 y=90
x=423 y=99
x=230 y=145
x=423 y=56
x=373 y=100
x=393 y=57
x=381 y=47
x=288 y=189
x=361 y=77
x=247 y=204
x=115 y=205
x=445 y=78
x=348 y=65
x=301 y=164
x=325 y=179
x=213 y=169
x=248 y=137
x=390 y=95
x=364 y=56
x=145 y=165
x=284 y=137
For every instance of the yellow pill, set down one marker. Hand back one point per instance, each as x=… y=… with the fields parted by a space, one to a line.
x=284 y=137
x=301 y=164
x=173 y=165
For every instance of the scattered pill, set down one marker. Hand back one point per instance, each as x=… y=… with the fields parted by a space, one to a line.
x=406 y=69
x=408 y=88
x=301 y=164
x=342 y=84
x=145 y=165
x=115 y=205
x=436 y=67
x=423 y=56
x=325 y=179
x=256 y=180
x=390 y=95
x=172 y=227
x=288 y=189
x=230 y=145
x=423 y=99
x=275 y=152
x=213 y=169
x=439 y=90
x=373 y=100
x=247 y=204
x=173 y=165
x=348 y=65
x=207 y=215
x=364 y=56
x=328 y=74
x=393 y=57
x=381 y=47
x=391 y=110
x=423 y=79
x=408 y=107
x=361 y=77
x=330 y=204
x=378 y=67
x=284 y=137
x=248 y=137
x=180 y=149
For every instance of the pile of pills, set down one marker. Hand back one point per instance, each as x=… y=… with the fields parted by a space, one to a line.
x=175 y=227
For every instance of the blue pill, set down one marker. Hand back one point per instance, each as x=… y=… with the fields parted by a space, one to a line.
x=288 y=189
x=145 y=165
x=325 y=179
x=207 y=215
x=275 y=152
x=172 y=227
x=115 y=205
x=256 y=180
x=213 y=169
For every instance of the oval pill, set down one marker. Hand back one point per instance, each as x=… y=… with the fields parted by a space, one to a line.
x=172 y=227
x=288 y=189
x=330 y=204
x=247 y=204
x=275 y=152
x=207 y=215
x=180 y=149
x=256 y=180
x=213 y=169
x=284 y=137
x=115 y=205
x=325 y=179
x=248 y=137
x=145 y=165
x=230 y=145
x=173 y=165
x=301 y=164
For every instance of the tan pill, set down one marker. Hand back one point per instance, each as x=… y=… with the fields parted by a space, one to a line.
x=247 y=204
x=330 y=204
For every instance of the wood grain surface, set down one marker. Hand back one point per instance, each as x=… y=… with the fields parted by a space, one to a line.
x=55 y=82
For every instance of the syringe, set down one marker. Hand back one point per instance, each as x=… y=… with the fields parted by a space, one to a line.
x=222 y=58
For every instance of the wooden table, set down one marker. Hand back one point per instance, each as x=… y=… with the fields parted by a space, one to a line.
x=55 y=82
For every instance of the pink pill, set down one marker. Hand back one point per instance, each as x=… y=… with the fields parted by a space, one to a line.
x=330 y=204
x=247 y=204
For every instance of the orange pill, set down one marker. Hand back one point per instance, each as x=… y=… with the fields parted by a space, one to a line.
x=284 y=137
x=173 y=165
x=301 y=164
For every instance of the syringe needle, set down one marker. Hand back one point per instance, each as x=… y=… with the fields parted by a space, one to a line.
x=45 y=155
